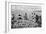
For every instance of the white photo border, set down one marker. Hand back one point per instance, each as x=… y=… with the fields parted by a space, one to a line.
x=9 y=16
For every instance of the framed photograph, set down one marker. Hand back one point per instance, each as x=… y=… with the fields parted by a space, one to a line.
x=24 y=16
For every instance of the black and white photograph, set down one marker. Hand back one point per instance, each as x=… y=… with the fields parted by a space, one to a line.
x=23 y=16
x=26 y=16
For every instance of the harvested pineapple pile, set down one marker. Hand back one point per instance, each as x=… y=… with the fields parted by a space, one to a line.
x=25 y=21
